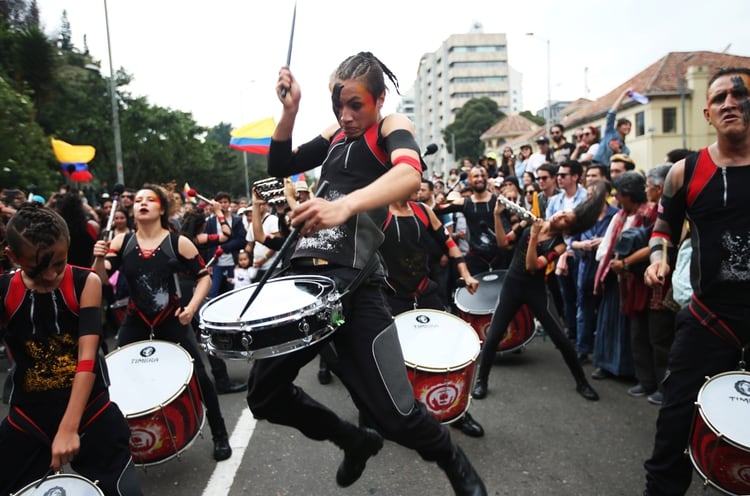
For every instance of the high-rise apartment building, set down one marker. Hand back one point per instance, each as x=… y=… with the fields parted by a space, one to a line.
x=471 y=65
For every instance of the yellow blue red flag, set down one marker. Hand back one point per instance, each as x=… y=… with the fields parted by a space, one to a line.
x=74 y=159
x=254 y=137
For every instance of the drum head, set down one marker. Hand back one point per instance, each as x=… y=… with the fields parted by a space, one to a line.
x=282 y=300
x=725 y=401
x=61 y=485
x=147 y=374
x=436 y=341
x=484 y=300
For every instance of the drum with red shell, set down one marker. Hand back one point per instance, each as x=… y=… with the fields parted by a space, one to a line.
x=477 y=309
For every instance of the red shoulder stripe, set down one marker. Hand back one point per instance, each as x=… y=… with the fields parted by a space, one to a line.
x=371 y=138
x=705 y=168
x=420 y=213
x=14 y=297
x=68 y=290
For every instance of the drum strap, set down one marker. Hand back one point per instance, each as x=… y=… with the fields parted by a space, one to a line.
x=24 y=423
x=713 y=323
x=363 y=274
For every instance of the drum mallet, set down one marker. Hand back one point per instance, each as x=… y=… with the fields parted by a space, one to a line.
x=289 y=51
x=116 y=192
x=290 y=240
x=192 y=192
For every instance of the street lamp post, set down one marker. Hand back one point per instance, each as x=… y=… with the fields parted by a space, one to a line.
x=683 y=89
x=548 y=117
x=115 y=112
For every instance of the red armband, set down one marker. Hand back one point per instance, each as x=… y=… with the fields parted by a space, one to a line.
x=406 y=159
x=551 y=256
x=221 y=219
x=85 y=366
x=111 y=252
x=212 y=237
x=450 y=243
x=541 y=262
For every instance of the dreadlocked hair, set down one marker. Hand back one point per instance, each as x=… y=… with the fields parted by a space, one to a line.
x=35 y=227
x=367 y=66
x=587 y=212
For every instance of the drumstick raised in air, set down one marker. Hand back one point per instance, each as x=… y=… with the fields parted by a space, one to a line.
x=663 y=265
x=290 y=240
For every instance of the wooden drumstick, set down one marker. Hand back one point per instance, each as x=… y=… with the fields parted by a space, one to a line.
x=664 y=263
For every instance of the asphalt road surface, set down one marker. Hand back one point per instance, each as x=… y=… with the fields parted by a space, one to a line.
x=541 y=439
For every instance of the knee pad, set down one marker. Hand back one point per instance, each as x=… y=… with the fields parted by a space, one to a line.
x=389 y=359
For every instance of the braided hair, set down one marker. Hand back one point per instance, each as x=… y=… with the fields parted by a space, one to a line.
x=35 y=227
x=367 y=66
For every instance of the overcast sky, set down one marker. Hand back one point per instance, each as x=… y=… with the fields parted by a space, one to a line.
x=219 y=59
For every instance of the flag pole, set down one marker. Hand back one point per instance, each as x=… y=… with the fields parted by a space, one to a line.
x=247 y=179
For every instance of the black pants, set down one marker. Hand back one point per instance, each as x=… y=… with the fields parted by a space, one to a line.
x=534 y=293
x=696 y=353
x=366 y=356
x=104 y=453
x=135 y=329
x=430 y=298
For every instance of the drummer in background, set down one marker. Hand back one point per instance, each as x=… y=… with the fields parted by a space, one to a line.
x=410 y=228
x=538 y=245
x=484 y=255
x=150 y=259
x=52 y=324
x=369 y=162
x=709 y=189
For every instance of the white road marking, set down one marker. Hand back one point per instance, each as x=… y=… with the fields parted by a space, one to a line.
x=223 y=475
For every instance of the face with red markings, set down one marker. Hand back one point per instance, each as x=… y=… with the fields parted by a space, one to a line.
x=356 y=109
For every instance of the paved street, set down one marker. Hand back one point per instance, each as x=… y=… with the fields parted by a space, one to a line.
x=541 y=439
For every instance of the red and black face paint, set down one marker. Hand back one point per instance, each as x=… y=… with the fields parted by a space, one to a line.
x=739 y=90
x=336 y=100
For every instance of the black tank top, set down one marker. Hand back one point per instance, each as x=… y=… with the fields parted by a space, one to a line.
x=351 y=164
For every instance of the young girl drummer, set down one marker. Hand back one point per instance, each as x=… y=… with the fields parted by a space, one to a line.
x=149 y=260
x=60 y=411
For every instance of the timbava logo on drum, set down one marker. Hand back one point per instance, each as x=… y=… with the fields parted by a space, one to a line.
x=423 y=319
x=147 y=353
x=742 y=387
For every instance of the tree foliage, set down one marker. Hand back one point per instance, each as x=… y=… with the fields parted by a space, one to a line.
x=474 y=118
x=49 y=88
x=536 y=119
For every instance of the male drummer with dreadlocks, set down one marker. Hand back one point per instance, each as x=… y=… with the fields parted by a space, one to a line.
x=368 y=161
x=50 y=319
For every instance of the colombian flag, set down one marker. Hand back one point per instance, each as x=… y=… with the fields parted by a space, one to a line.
x=74 y=159
x=254 y=137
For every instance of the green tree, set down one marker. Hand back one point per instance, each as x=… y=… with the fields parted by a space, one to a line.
x=25 y=152
x=474 y=118
x=536 y=119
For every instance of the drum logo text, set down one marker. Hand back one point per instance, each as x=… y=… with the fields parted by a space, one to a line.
x=147 y=354
x=743 y=387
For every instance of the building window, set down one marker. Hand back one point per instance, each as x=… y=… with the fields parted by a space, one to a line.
x=669 y=120
x=640 y=124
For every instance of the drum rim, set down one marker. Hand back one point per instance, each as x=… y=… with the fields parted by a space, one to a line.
x=184 y=384
x=478 y=277
x=443 y=370
x=327 y=285
x=32 y=485
x=706 y=420
x=270 y=351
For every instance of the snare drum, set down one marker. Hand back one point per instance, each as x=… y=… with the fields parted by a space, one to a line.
x=720 y=441
x=61 y=485
x=439 y=352
x=477 y=310
x=289 y=313
x=154 y=385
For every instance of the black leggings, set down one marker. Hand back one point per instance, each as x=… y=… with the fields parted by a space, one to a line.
x=534 y=293
x=135 y=329
x=366 y=356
